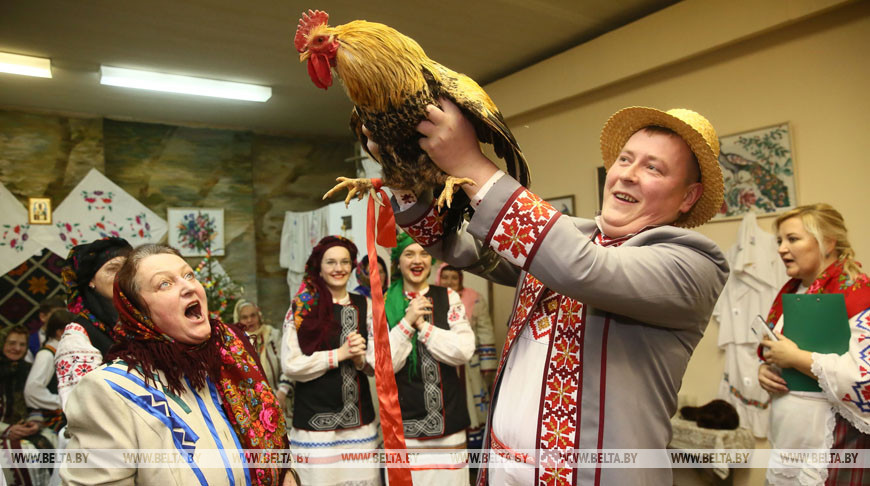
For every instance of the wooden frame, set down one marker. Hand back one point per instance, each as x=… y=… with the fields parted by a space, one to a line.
x=563 y=204
x=758 y=169
x=600 y=178
x=39 y=210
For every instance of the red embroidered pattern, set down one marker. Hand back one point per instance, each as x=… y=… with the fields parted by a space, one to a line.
x=405 y=330
x=408 y=198
x=529 y=293
x=83 y=369
x=63 y=367
x=425 y=337
x=541 y=321
x=429 y=229
x=523 y=225
x=562 y=384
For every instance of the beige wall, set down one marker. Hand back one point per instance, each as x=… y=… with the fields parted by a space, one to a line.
x=811 y=72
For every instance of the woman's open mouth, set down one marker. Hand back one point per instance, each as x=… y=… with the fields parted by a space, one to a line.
x=193 y=311
x=417 y=270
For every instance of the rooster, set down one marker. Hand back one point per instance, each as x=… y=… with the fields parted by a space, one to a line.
x=390 y=81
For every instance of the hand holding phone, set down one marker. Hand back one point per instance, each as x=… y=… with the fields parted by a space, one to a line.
x=759 y=327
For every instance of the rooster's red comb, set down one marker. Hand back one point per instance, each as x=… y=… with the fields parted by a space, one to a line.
x=308 y=21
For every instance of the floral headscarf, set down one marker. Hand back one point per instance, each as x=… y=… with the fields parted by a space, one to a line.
x=312 y=306
x=248 y=400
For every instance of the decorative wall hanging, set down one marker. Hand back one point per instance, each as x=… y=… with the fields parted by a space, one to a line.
x=16 y=239
x=758 y=170
x=26 y=286
x=196 y=231
x=97 y=208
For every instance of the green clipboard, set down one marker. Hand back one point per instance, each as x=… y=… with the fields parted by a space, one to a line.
x=817 y=323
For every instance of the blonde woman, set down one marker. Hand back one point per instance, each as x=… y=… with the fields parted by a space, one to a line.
x=814 y=245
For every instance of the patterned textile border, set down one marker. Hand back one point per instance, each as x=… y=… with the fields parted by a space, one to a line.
x=24 y=287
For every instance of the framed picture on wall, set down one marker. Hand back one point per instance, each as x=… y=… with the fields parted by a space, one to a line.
x=758 y=171
x=196 y=231
x=39 y=210
x=600 y=176
x=563 y=204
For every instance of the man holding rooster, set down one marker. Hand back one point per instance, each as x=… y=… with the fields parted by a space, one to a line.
x=608 y=311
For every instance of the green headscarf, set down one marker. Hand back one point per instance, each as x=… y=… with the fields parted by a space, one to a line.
x=395 y=301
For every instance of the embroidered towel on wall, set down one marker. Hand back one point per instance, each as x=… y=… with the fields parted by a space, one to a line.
x=16 y=236
x=300 y=234
x=757 y=274
x=97 y=208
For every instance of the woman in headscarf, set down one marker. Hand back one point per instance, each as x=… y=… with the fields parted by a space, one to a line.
x=176 y=379
x=429 y=338
x=324 y=351
x=20 y=427
x=88 y=275
x=267 y=341
x=362 y=277
x=480 y=369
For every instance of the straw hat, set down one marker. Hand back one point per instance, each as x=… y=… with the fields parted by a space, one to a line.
x=697 y=132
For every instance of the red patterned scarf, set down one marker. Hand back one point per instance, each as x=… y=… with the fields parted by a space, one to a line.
x=832 y=281
x=248 y=400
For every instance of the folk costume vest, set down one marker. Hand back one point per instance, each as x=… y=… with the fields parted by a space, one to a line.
x=340 y=399
x=432 y=398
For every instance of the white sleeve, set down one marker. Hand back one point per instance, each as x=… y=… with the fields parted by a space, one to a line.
x=842 y=377
x=75 y=358
x=36 y=393
x=400 y=343
x=481 y=193
x=456 y=345
x=484 y=333
x=298 y=366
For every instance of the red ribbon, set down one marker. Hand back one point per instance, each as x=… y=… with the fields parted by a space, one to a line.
x=385 y=378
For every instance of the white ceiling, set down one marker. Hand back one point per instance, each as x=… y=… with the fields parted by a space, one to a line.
x=252 y=41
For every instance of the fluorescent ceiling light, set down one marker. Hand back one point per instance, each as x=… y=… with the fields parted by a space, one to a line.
x=25 y=65
x=173 y=83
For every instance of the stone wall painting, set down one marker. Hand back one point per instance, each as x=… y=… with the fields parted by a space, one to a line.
x=167 y=166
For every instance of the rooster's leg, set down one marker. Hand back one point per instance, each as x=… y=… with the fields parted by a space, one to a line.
x=355 y=187
x=450 y=186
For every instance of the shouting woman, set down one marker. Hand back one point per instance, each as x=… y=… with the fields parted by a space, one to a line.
x=177 y=380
